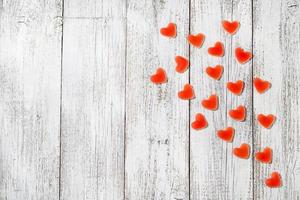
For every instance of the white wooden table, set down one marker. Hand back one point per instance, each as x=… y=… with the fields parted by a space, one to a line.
x=79 y=118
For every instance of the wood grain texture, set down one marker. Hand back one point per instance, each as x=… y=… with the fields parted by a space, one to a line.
x=240 y=171
x=157 y=122
x=215 y=173
x=276 y=48
x=93 y=101
x=30 y=64
x=80 y=118
x=208 y=153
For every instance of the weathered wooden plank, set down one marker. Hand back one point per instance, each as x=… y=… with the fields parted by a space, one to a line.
x=208 y=153
x=30 y=66
x=239 y=171
x=93 y=101
x=276 y=49
x=215 y=173
x=93 y=9
x=157 y=122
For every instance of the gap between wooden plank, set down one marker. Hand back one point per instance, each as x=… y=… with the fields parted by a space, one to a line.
x=60 y=109
x=189 y=122
x=252 y=114
x=125 y=104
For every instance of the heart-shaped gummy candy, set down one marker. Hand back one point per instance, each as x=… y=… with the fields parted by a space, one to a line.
x=266 y=120
x=182 y=64
x=169 y=31
x=215 y=72
x=236 y=87
x=200 y=122
x=212 y=103
x=243 y=151
x=187 y=93
x=216 y=50
x=260 y=85
x=230 y=27
x=274 y=181
x=226 y=134
x=196 y=40
x=159 y=77
x=264 y=156
x=238 y=114
x=242 y=56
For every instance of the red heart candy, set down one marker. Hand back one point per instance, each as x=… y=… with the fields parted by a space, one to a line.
x=182 y=64
x=211 y=103
x=200 y=122
x=230 y=27
x=236 y=88
x=215 y=72
x=242 y=56
x=217 y=50
x=187 y=93
x=238 y=114
x=243 y=151
x=274 y=181
x=196 y=40
x=264 y=156
x=260 y=85
x=266 y=120
x=169 y=31
x=227 y=134
x=159 y=77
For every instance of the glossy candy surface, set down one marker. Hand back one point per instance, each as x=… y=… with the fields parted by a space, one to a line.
x=182 y=64
x=274 y=181
x=236 y=87
x=200 y=122
x=260 y=85
x=196 y=40
x=226 y=134
x=242 y=56
x=238 y=114
x=159 y=77
x=230 y=27
x=217 y=50
x=169 y=31
x=214 y=72
x=187 y=93
x=243 y=151
x=264 y=156
x=266 y=120
x=212 y=103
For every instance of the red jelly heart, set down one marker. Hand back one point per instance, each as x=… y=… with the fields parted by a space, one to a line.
x=187 y=93
x=230 y=27
x=159 y=77
x=260 y=85
x=243 y=151
x=227 y=134
x=200 y=122
x=238 y=114
x=266 y=120
x=274 y=181
x=236 y=88
x=182 y=64
x=242 y=56
x=196 y=40
x=217 y=50
x=215 y=72
x=211 y=103
x=169 y=31
x=264 y=156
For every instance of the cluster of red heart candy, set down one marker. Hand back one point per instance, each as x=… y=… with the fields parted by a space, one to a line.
x=212 y=102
